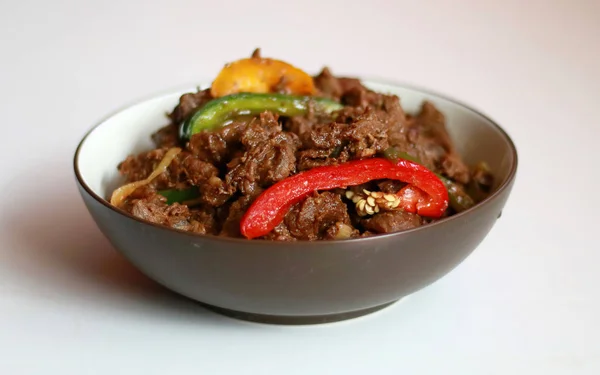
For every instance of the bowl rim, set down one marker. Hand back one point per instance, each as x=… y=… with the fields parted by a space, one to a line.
x=367 y=80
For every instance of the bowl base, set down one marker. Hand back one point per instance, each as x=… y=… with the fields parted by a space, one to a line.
x=296 y=320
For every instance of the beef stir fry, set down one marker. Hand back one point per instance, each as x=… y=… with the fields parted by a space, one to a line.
x=270 y=152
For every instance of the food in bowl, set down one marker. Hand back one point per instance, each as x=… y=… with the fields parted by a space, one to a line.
x=269 y=152
x=291 y=282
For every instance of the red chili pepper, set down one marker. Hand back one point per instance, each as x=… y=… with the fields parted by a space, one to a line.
x=426 y=194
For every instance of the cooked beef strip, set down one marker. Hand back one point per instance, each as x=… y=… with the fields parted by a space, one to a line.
x=431 y=124
x=155 y=209
x=220 y=145
x=166 y=137
x=316 y=217
x=231 y=225
x=392 y=221
x=269 y=156
x=188 y=103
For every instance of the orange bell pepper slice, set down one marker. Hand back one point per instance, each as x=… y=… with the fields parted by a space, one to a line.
x=261 y=75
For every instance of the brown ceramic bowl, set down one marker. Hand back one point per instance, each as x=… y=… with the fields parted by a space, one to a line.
x=292 y=282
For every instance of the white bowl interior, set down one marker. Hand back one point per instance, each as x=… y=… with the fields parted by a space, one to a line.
x=128 y=132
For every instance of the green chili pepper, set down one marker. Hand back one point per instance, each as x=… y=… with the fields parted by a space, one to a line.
x=218 y=111
x=178 y=196
x=481 y=182
x=393 y=153
x=458 y=197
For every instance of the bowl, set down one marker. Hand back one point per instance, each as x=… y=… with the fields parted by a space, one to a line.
x=292 y=282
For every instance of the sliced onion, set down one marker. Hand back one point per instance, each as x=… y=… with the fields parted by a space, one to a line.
x=344 y=231
x=119 y=195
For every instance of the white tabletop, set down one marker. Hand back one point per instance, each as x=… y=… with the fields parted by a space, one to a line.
x=527 y=301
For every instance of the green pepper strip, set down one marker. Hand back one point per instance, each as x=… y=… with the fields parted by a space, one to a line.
x=178 y=196
x=218 y=111
x=459 y=199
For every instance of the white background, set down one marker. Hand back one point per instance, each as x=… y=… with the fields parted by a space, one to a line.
x=526 y=302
